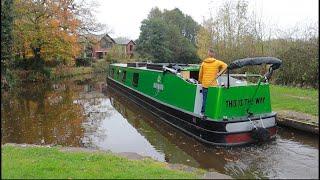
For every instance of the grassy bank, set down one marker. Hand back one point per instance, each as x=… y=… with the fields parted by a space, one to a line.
x=96 y=67
x=294 y=99
x=44 y=162
x=57 y=73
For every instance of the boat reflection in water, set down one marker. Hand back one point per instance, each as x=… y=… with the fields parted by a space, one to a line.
x=177 y=146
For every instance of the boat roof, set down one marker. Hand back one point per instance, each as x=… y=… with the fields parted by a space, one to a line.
x=159 y=66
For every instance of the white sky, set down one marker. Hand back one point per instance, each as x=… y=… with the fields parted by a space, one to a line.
x=124 y=17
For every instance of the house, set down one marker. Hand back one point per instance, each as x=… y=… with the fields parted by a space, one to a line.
x=127 y=46
x=103 y=46
x=100 y=45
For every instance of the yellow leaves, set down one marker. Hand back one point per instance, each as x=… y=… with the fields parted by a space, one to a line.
x=50 y=26
x=204 y=42
x=54 y=23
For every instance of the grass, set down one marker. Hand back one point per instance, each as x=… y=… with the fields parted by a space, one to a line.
x=44 y=162
x=70 y=72
x=294 y=99
x=97 y=67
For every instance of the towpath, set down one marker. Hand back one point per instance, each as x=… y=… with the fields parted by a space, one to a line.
x=297 y=120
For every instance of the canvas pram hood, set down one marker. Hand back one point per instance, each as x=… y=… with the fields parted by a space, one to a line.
x=275 y=62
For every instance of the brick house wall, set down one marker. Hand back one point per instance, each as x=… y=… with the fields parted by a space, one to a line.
x=130 y=48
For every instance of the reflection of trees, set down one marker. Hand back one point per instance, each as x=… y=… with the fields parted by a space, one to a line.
x=145 y=124
x=53 y=112
x=96 y=109
x=42 y=113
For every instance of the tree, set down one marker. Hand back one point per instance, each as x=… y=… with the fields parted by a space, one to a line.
x=154 y=41
x=7 y=18
x=6 y=34
x=47 y=29
x=204 y=42
x=155 y=13
x=186 y=25
x=237 y=33
x=234 y=32
x=83 y=10
x=168 y=37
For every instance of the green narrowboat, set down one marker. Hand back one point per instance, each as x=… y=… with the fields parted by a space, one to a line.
x=237 y=111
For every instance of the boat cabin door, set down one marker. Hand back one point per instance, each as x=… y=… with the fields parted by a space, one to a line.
x=198 y=100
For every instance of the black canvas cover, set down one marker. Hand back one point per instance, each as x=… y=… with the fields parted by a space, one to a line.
x=275 y=62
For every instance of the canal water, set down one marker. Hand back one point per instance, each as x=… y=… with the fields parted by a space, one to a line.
x=84 y=112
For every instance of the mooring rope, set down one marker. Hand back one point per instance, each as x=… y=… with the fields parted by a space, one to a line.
x=254 y=126
x=262 y=122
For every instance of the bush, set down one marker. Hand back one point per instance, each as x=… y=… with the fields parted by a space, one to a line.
x=110 y=59
x=32 y=64
x=8 y=79
x=19 y=63
x=84 y=61
x=100 y=66
x=54 y=62
x=27 y=63
x=300 y=65
x=47 y=72
x=36 y=76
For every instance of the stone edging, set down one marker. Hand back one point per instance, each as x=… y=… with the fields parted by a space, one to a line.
x=288 y=122
x=300 y=121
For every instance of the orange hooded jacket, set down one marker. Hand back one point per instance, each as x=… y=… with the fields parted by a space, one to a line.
x=209 y=69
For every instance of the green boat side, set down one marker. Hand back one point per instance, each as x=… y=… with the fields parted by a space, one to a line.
x=166 y=88
x=223 y=103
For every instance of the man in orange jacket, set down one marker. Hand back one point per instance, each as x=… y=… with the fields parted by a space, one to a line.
x=210 y=69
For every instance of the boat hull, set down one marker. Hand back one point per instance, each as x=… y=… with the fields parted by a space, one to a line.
x=207 y=131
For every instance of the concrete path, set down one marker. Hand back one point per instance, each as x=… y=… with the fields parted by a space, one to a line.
x=299 y=121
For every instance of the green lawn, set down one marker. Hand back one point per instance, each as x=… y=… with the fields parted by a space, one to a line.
x=295 y=99
x=43 y=162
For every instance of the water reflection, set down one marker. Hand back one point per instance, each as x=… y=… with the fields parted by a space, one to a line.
x=83 y=113
x=106 y=128
x=41 y=114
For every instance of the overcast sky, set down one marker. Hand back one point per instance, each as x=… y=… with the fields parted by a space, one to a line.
x=124 y=17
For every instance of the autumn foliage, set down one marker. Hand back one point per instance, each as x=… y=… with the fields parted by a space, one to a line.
x=46 y=29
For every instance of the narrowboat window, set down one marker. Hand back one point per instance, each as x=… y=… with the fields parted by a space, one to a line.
x=118 y=71
x=124 y=76
x=112 y=72
x=135 y=79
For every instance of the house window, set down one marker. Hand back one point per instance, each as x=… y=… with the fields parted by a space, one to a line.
x=109 y=45
x=135 y=79
x=103 y=43
x=130 y=47
x=100 y=55
x=124 y=76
